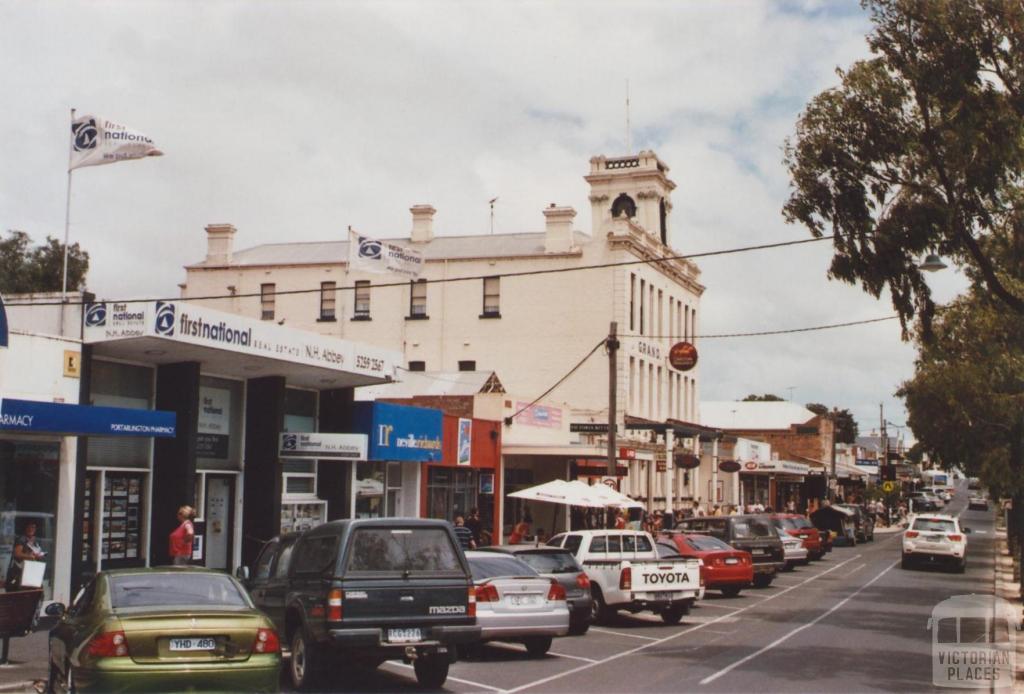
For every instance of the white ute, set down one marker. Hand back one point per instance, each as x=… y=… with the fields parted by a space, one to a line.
x=626 y=574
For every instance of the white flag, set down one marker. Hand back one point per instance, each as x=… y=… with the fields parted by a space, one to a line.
x=372 y=255
x=96 y=141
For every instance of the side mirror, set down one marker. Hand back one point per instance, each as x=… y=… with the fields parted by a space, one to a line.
x=967 y=531
x=55 y=609
x=242 y=573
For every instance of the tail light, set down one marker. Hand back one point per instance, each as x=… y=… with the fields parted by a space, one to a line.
x=911 y=534
x=719 y=561
x=267 y=641
x=556 y=591
x=626 y=579
x=471 y=602
x=334 y=605
x=486 y=593
x=583 y=581
x=955 y=538
x=108 y=644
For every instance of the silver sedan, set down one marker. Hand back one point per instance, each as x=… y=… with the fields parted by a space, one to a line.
x=514 y=603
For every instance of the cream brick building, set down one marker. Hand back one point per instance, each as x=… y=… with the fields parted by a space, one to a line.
x=530 y=329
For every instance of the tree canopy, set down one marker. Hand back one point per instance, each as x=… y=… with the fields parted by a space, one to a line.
x=920 y=149
x=25 y=268
x=767 y=397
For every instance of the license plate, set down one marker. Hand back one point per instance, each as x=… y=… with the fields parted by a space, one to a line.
x=194 y=644
x=404 y=635
x=759 y=551
x=517 y=600
x=934 y=538
x=732 y=560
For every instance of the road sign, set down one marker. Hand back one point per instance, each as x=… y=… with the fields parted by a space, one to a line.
x=588 y=427
x=888 y=487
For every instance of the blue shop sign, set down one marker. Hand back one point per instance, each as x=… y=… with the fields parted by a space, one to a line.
x=399 y=432
x=32 y=416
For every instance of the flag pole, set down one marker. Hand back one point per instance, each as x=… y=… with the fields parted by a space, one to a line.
x=67 y=221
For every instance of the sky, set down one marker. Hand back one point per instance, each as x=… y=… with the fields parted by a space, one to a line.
x=293 y=120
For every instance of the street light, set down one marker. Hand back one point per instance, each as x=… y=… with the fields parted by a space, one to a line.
x=932 y=263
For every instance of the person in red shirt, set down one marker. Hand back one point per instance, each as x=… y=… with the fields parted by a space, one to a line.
x=181 y=538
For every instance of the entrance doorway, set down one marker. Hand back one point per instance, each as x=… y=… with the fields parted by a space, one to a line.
x=218 y=516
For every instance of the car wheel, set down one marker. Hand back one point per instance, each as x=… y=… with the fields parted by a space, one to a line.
x=537 y=646
x=961 y=567
x=904 y=562
x=431 y=670
x=789 y=566
x=763 y=580
x=731 y=591
x=672 y=615
x=579 y=624
x=306 y=664
x=600 y=612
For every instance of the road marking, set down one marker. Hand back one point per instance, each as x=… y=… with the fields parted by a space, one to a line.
x=622 y=633
x=705 y=603
x=776 y=642
x=574 y=657
x=676 y=635
x=453 y=679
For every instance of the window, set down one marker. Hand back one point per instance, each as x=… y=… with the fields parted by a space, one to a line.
x=399 y=550
x=362 y=307
x=176 y=589
x=417 y=366
x=467 y=366
x=328 y=293
x=492 y=298
x=573 y=542
x=497 y=565
x=599 y=545
x=261 y=571
x=267 y=292
x=284 y=560
x=642 y=296
x=632 y=300
x=661 y=316
x=418 y=299
x=315 y=555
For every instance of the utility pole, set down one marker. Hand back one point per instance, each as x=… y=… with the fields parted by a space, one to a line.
x=883 y=444
x=612 y=345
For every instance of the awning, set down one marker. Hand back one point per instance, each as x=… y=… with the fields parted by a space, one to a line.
x=31 y=416
x=680 y=428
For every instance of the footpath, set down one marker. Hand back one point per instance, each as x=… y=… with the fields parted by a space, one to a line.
x=1010 y=590
x=27 y=670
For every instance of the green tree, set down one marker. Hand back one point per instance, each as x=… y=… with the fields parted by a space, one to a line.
x=919 y=150
x=767 y=397
x=845 y=425
x=26 y=268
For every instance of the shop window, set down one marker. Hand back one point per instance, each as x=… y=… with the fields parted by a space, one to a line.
x=268 y=298
x=418 y=299
x=492 y=298
x=219 y=430
x=328 y=295
x=362 y=300
x=28 y=493
x=120 y=385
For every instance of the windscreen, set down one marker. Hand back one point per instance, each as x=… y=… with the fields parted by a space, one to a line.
x=402 y=550
x=800 y=523
x=704 y=543
x=934 y=525
x=492 y=567
x=747 y=528
x=550 y=562
x=177 y=589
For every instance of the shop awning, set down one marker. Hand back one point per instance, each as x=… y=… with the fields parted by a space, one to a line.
x=680 y=428
x=37 y=417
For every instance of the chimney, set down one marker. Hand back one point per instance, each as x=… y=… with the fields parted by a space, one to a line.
x=558 y=229
x=422 y=223
x=219 y=241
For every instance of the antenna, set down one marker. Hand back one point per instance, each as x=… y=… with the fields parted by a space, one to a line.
x=629 y=139
x=491 y=203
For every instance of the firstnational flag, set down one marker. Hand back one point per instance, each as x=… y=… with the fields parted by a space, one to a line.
x=96 y=141
x=372 y=255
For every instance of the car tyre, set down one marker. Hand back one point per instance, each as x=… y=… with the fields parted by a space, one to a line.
x=904 y=562
x=731 y=591
x=579 y=627
x=537 y=646
x=961 y=567
x=431 y=671
x=672 y=615
x=306 y=666
x=601 y=613
x=763 y=580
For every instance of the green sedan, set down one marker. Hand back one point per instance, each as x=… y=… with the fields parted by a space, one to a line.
x=163 y=629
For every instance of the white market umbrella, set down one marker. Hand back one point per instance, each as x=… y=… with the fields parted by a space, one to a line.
x=607 y=496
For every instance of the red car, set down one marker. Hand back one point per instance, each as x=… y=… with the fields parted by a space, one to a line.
x=725 y=568
x=799 y=526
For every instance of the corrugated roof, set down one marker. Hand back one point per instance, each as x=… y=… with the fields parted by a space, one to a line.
x=415 y=383
x=439 y=248
x=753 y=415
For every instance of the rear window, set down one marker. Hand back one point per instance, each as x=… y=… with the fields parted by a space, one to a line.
x=492 y=567
x=400 y=550
x=938 y=525
x=550 y=562
x=177 y=589
x=315 y=555
x=707 y=544
x=752 y=527
x=799 y=523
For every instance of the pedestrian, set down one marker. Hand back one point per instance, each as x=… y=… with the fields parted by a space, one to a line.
x=620 y=520
x=180 y=543
x=521 y=529
x=26 y=548
x=667 y=520
x=464 y=534
x=474 y=524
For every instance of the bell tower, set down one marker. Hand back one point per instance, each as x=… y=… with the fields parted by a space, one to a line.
x=636 y=187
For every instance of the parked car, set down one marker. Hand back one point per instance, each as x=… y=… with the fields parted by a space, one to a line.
x=559 y=564
x=723 y=567
x=863 y=522
x=977 y=502
x=162 y=629
x=935 y=538
x=626 y=573
x=838 y=521
x=924 y=502
x=368 y=590
x=942 y=492
x=515 y=603
x=753 y=533
x=793 y=550
x=800 y=527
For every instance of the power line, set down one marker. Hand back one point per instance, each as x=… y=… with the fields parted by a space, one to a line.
x=766 y=332
x=444 y=280
x=508 y=420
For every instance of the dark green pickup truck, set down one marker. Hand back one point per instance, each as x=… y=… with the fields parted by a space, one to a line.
x=354 y=593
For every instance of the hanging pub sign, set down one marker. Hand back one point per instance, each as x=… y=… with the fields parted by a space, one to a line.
x=686 y=461
x=729 y=466
x=682 y=356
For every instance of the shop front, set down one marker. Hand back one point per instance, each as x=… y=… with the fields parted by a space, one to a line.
x=774 y=484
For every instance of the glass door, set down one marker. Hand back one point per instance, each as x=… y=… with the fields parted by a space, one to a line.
x=218 y=516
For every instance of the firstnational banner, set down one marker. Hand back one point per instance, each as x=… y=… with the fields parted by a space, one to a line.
x=372 y=255
x=96 y=140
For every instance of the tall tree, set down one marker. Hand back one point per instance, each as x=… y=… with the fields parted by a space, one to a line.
x=920 y=150
x=767 y=397
x=26 y=268
x=845 y=425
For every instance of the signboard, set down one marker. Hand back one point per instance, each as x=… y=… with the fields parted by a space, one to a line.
x=486 y=483
x=399 y=432
x=539 y=416
x=214 y=428
x=588 y=427
x=729 y=466
x=86 y=420
x=686 y=461
x=780 y=466
x=72 y=363
x=323 y=446
x=682 y=356
x=465 y=441
x=3 y=324
x=888 y=486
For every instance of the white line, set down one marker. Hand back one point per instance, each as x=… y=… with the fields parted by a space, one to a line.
x=776 y=642
x=676 y=635
x=453 y=679
x=574 y=657
x=622 y=633
x=706 y=603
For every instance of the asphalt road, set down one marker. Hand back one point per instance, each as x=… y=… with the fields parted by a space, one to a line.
x=855 y=621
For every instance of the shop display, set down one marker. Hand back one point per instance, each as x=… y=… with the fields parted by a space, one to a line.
x=300 y=516
x=121 y=531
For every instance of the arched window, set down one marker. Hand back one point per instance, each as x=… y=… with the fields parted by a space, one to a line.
x=624 y=205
